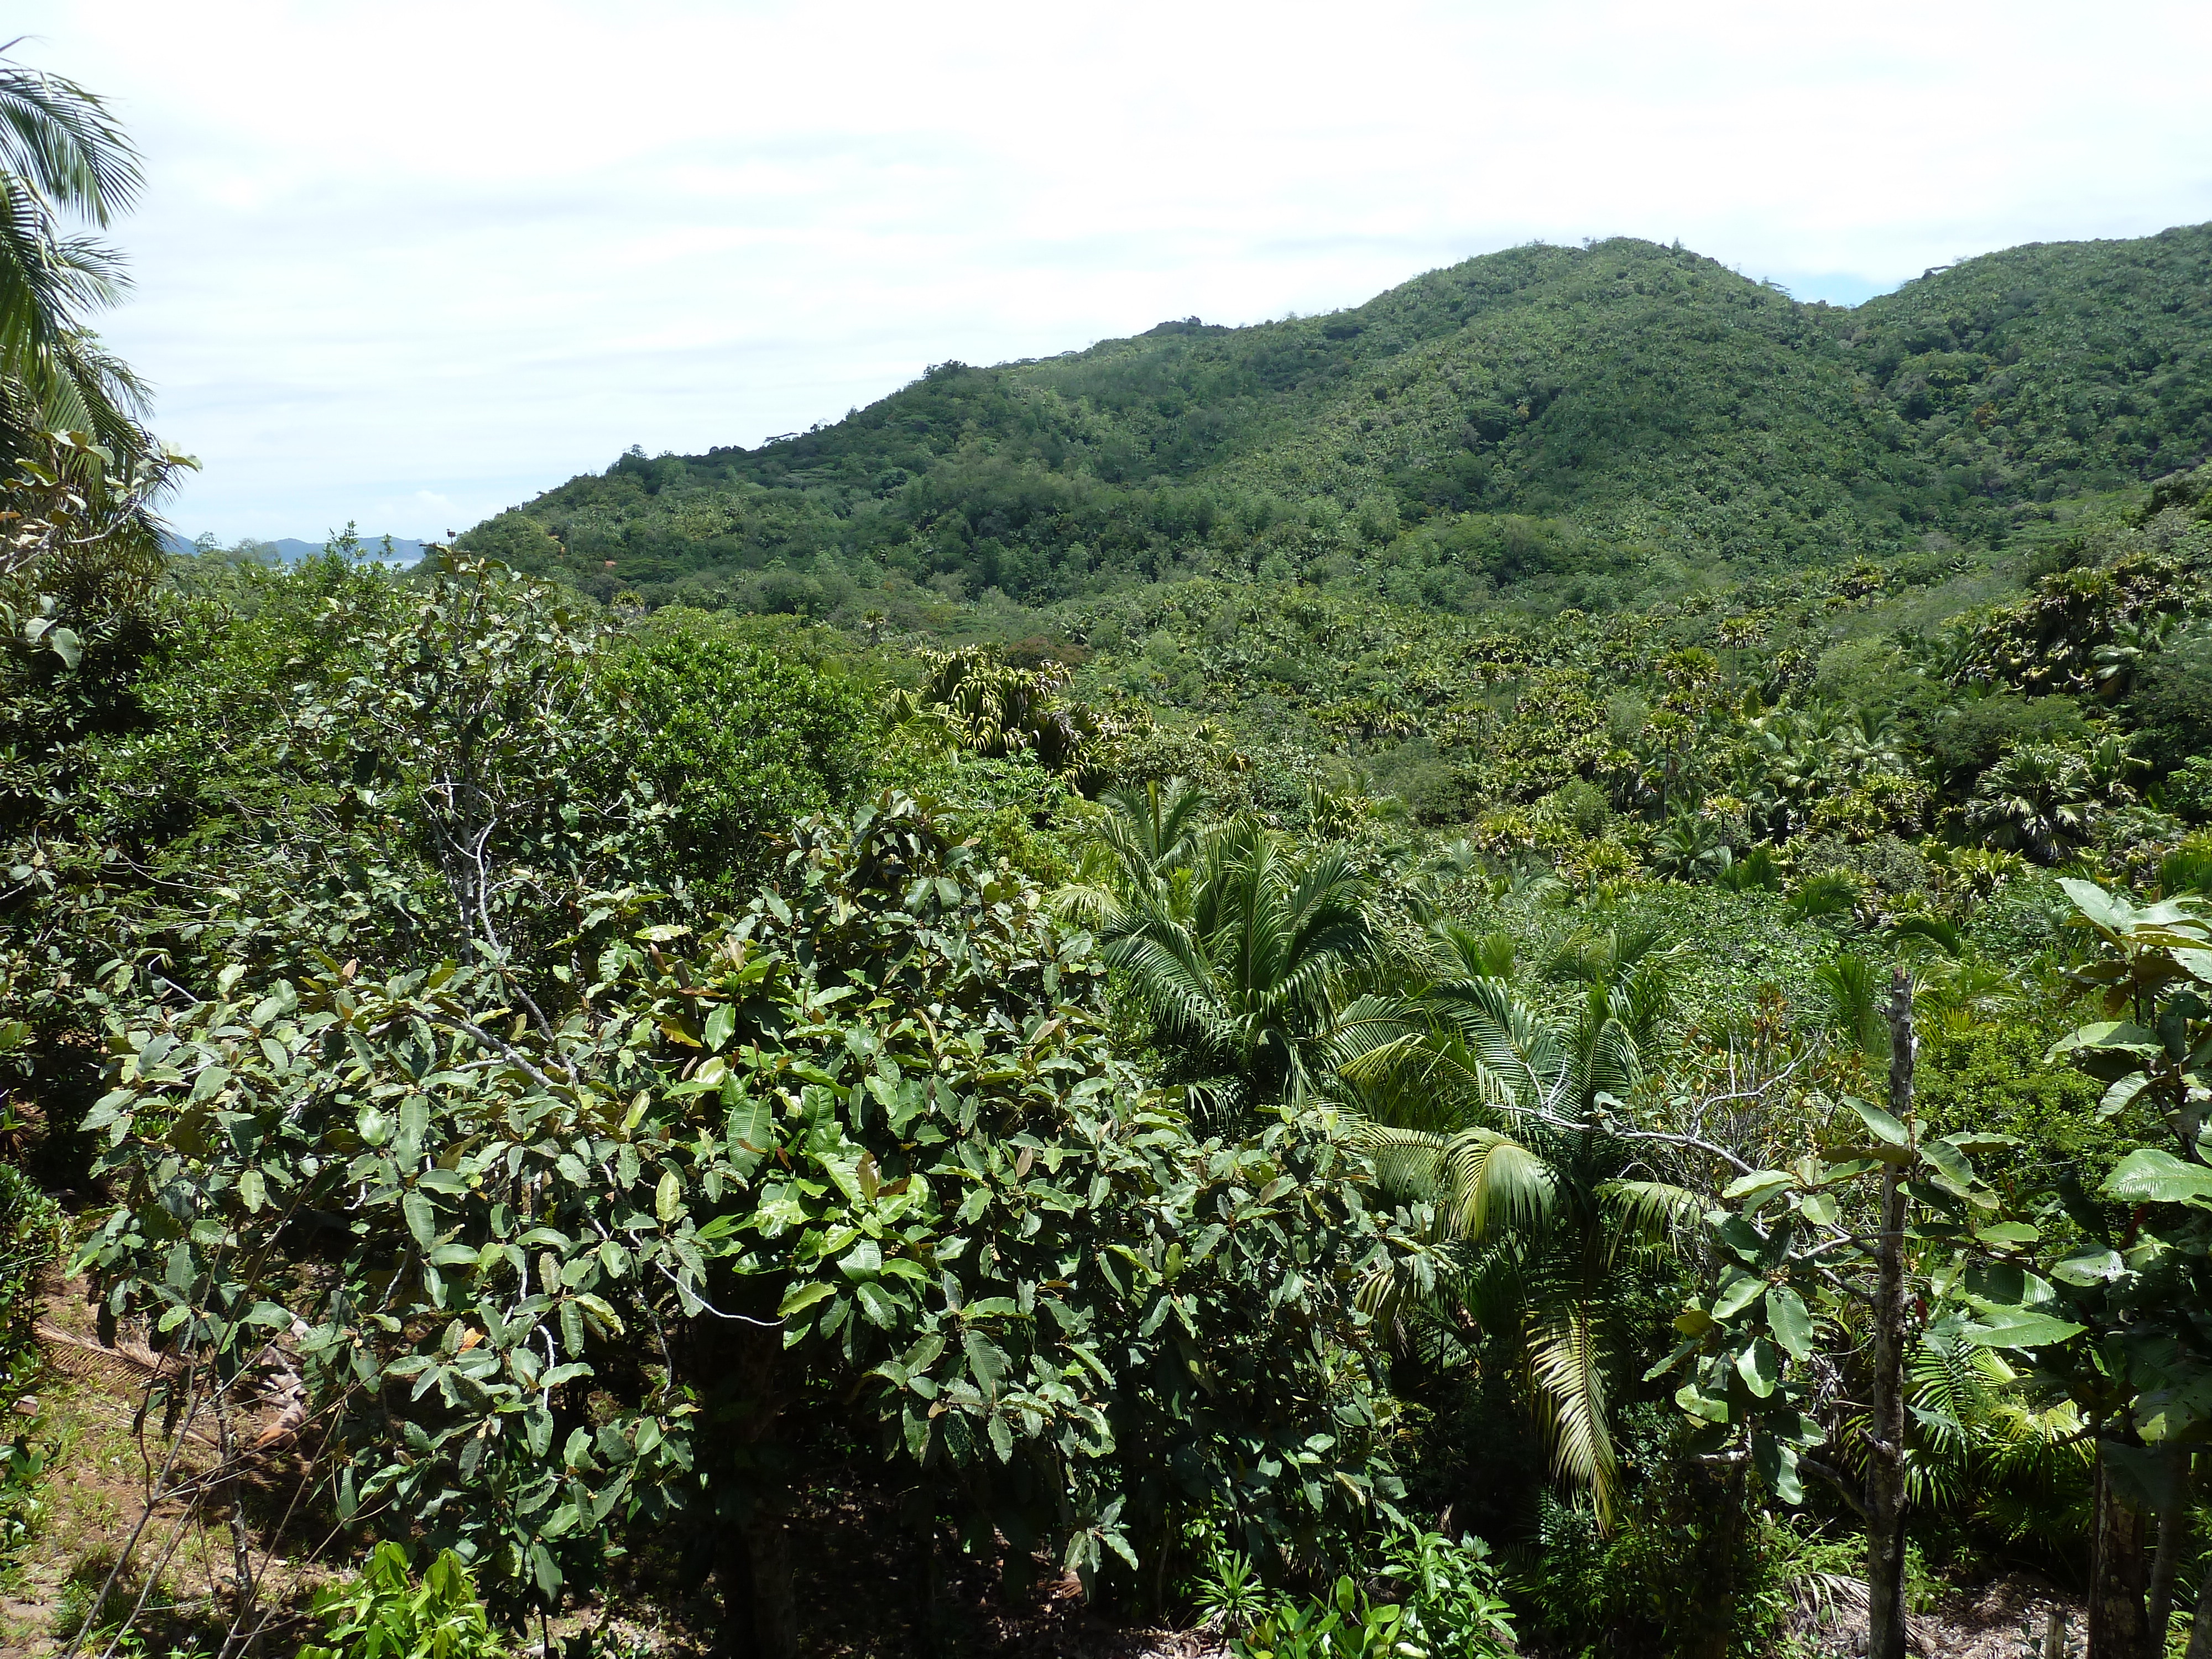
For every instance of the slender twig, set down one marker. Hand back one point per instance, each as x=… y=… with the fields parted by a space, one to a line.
x=513 y=1055
x=686 y=1290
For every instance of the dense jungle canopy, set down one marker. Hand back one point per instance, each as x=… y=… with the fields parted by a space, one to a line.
x=1542 y=426
x=1525 y=969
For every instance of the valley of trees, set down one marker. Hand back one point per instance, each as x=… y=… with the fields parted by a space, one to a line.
x=1523 y=969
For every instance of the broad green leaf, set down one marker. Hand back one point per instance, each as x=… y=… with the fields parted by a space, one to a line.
x=1757 y=1364
x=1951 y=1165
x=2122 y=1094
x=1759 y=1184
x=799 y=1297
x=2018 y=1328
x=719 y=1025
x=1971 y=1141
x=865 y=1260
x=2112 y=913
x=1879 y=1124
x=987 y=1361
x=1777 y=1462
x=1698 y=1403
x=1737 y=1295
x=2123 y=1036
x=2093 y=1267
x=421 y=1220
x=1789 y=1320
x=2151 y=1174
x=878 y=1306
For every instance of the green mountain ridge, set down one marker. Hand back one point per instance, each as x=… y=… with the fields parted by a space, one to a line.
x=1552 y=424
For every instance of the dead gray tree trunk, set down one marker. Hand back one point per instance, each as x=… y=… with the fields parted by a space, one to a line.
x=1885 y=1497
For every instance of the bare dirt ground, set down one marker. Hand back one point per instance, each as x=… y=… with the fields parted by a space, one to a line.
x=2002 y=1619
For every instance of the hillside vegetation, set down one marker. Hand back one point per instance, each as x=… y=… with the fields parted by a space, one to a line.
x=1543 y=425
x=1527 y=970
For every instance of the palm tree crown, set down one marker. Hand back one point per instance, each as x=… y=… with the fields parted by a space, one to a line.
x=1238 y=946
x=1493 y=1111
x=63 y=156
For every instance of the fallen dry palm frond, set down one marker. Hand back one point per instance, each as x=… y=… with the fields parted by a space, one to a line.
x=1834 y=1605
x=207 y=1442
x=126 y=1375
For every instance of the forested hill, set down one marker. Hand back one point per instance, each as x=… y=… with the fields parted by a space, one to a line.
x=1548 y=423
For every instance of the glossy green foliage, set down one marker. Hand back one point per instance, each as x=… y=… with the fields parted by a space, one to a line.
x=1991 y=1074
x=1428 y=1598
x=2137 y=1276
x=988 y=707
x=739 y=738
x=864 y=1143
x=32 y=1233
x=1791 y=1253
x=382 y=1612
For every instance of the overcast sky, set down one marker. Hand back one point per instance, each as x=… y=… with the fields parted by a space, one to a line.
x=408 y=263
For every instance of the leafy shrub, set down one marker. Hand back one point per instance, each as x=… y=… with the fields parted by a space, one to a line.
x=30 y=1238
x=2172 y=703
x=740 y=739
x=1428 y=1598
x=382 y=1612
x=1984 y=728
x=2188 y=791
x=1993 y=1077
x=900 y=1148
x=22 y=1473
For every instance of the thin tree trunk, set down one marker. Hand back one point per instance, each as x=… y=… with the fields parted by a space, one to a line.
x=775 y=1605
x=760 y=1609
x=1716 y=1570
x=2118 y=1566
x=2200 y=1624
x=925 y=1567
x=733 y=1571
x=2165 y=1564
x=1885 y=1499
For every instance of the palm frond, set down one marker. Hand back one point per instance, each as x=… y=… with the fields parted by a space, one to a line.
x=1090 y=904
x=1650 y=1213
x=1493 y=1180
x=1569 y=1372
x=66 y=143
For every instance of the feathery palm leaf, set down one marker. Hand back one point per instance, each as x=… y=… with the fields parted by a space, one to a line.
x=62 y=155
x=1568 y=1367
x=1478 y=1105
x=1241 y=956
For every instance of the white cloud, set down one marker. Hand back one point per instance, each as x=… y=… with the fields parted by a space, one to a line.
x=424 y=260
